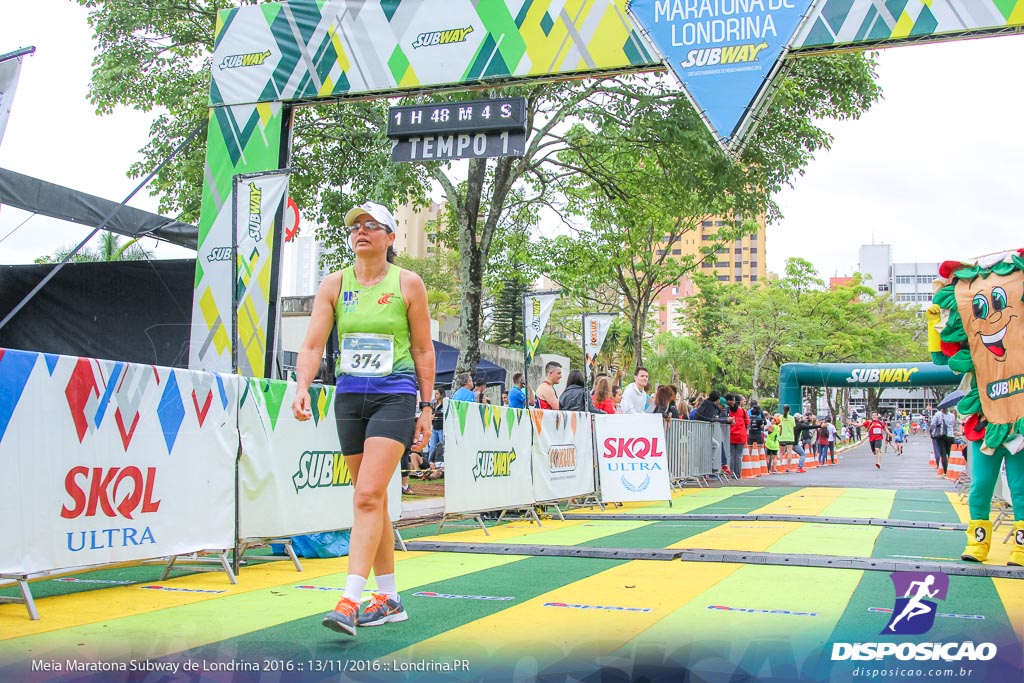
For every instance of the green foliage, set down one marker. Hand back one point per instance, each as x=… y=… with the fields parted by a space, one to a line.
x=109 y=248
x=795 y=319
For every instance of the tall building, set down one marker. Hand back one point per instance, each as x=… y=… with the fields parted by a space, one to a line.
x=741 y=260
x=904 y=283
x=415 y=234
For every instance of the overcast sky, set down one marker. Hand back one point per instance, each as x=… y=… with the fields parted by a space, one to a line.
x=934 y=169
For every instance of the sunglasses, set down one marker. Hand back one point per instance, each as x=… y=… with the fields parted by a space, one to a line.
x=370 y=226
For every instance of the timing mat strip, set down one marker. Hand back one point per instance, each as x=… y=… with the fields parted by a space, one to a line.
x=872 y=521
x=738 y=557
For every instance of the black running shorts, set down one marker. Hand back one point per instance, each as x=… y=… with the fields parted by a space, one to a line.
x=362 y=416
x=875 y=445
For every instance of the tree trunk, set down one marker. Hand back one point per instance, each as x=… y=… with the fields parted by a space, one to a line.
x=471 y=269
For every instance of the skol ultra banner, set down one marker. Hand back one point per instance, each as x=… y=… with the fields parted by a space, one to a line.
x=595 y=329
x=257 y=203
x=292 y=476
x=9 y=71
x=109 y=462
x=486 y=457
x=563 y=454
x=535 y=319
x=630 y=456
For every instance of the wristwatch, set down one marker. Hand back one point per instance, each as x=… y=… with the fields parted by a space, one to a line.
x=426 y=404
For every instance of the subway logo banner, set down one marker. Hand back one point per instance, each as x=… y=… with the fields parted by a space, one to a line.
x=105 y=461
x=486 y=457
x=631 y=460
x=563 y=454
x=292 y=475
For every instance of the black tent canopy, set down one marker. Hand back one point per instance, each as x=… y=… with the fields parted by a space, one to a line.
x=445 y=358
x=56 y=201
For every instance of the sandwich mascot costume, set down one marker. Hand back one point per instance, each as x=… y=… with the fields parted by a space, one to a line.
x=983 y=339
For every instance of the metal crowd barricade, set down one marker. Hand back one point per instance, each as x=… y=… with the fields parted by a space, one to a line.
x=689 y=451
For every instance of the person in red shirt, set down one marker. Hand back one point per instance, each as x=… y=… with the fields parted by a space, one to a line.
x=876 y=437
x=603 y=395
x=740 y=425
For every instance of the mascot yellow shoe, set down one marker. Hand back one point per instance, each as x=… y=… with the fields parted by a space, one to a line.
x=1017 y=554
x=979 y=540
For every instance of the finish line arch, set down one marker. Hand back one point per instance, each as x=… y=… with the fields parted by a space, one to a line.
x=793 y=377
x=274 y=56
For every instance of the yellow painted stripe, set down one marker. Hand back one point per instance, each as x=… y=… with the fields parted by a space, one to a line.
x=554 y=532
x=553 y=632
x=1011 y=592
x=754 y=536
x=734 y=633
x=806 y=501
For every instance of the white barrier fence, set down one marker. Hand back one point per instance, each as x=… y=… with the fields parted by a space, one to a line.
x=292 y=477
x=109 y=462
x=485 y=467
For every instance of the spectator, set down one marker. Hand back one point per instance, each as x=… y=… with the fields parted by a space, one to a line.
x=738 y=432
x=575 y=396
x=547 y=399
x=617 y=398
x=823 y=433
x=831 y=440
x=517 y=394
x=465 y=390
x=480 y=389
x=664 y=402
x=708 y=411
x=755 y=433
x=941 y=429
x=634 y=396
x=603 y=395
x=437 y=434
x=787 y=437
x=804 y=432
x=771 y=443
x=504 y=398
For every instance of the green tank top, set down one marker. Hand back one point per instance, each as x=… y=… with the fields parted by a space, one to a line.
x=376 y=310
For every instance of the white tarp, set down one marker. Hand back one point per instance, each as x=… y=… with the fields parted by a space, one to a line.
x=9 y=71
x=292 y=476
x=486 y=457
x=631 y=458
x=108 y=461
x=563 y=454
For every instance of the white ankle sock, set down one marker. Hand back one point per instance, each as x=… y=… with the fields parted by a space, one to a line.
x=386 y=585
x=354 y=585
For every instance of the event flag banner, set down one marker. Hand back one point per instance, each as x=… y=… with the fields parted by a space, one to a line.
x=595 y=329
x=631 y=458
x=292 y=477
x=563 y=454
x=725 y=53
x=486 y=458
x=9 y=71
x=258 y=201
x=536 y=312
x=107 y=461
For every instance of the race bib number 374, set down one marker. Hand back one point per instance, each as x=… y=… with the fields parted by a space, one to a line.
x=367 y=355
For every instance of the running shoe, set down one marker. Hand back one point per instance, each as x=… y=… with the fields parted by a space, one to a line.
x=343 y=618
x=878 y=466
x=381 y=610
x=801 y=469
x=726 y=470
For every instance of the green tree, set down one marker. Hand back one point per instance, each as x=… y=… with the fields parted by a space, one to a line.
x=109 y=248
x=156 y=56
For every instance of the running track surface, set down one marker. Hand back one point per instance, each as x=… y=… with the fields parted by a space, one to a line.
x=520 y=617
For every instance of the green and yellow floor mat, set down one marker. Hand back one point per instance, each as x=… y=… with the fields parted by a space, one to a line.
x=512 y=612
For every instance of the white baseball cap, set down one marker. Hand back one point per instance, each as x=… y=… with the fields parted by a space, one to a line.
x=379 y=213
